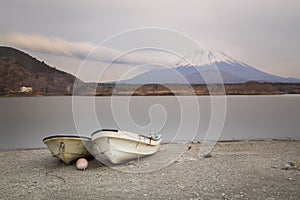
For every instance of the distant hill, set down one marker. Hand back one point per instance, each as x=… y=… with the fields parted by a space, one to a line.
x=18 y=69
x=206 y=68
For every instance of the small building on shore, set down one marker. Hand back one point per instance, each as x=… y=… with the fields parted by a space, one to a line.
x=25 y=89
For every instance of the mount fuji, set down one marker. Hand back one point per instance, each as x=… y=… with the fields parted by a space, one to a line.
x=206 y=67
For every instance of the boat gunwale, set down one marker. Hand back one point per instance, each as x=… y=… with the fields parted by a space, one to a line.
x=135 y=138
x=125 y=132
x=84 y=138
x=105 y=130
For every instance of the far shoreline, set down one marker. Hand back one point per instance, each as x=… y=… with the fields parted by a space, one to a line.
x=115 y=89
x=178 y=95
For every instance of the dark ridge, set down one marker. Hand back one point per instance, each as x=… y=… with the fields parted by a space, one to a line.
x=18 y=69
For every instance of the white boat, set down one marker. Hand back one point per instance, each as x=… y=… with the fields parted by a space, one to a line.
x=121 y=146
x=69 y=148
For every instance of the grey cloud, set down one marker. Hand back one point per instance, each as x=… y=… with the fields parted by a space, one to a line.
x=52 y=45
x=263 y=33
x=82 y=50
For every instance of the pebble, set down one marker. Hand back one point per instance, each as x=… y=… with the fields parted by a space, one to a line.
x=190 y=158
x=132 y=163
x=287 y=167
x=206 y=155
x=292 y=165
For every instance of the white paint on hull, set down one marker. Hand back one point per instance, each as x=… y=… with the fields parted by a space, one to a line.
x=123 y=146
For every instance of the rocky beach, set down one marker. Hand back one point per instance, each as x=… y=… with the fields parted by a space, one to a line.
x=235 y=170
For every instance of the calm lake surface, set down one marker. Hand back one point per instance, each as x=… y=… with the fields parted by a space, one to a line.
x=26 y=121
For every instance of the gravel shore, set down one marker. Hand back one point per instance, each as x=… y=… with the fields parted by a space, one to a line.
x=235 y=170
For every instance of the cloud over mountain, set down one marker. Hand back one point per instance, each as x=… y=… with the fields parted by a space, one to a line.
x=85 y=50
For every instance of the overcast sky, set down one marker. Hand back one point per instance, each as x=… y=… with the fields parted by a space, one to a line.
x=261 y=33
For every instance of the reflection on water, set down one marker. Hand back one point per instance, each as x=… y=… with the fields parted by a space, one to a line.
x=25 y=121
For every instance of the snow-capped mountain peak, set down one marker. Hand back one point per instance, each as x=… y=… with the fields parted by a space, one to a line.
x=205 y=67
x=220 y=56
x=202 y=58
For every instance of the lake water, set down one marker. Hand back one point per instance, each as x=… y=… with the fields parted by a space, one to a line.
x=26 y=121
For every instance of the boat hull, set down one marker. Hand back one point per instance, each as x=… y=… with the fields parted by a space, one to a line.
x=69 y=148
x=122 y=146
